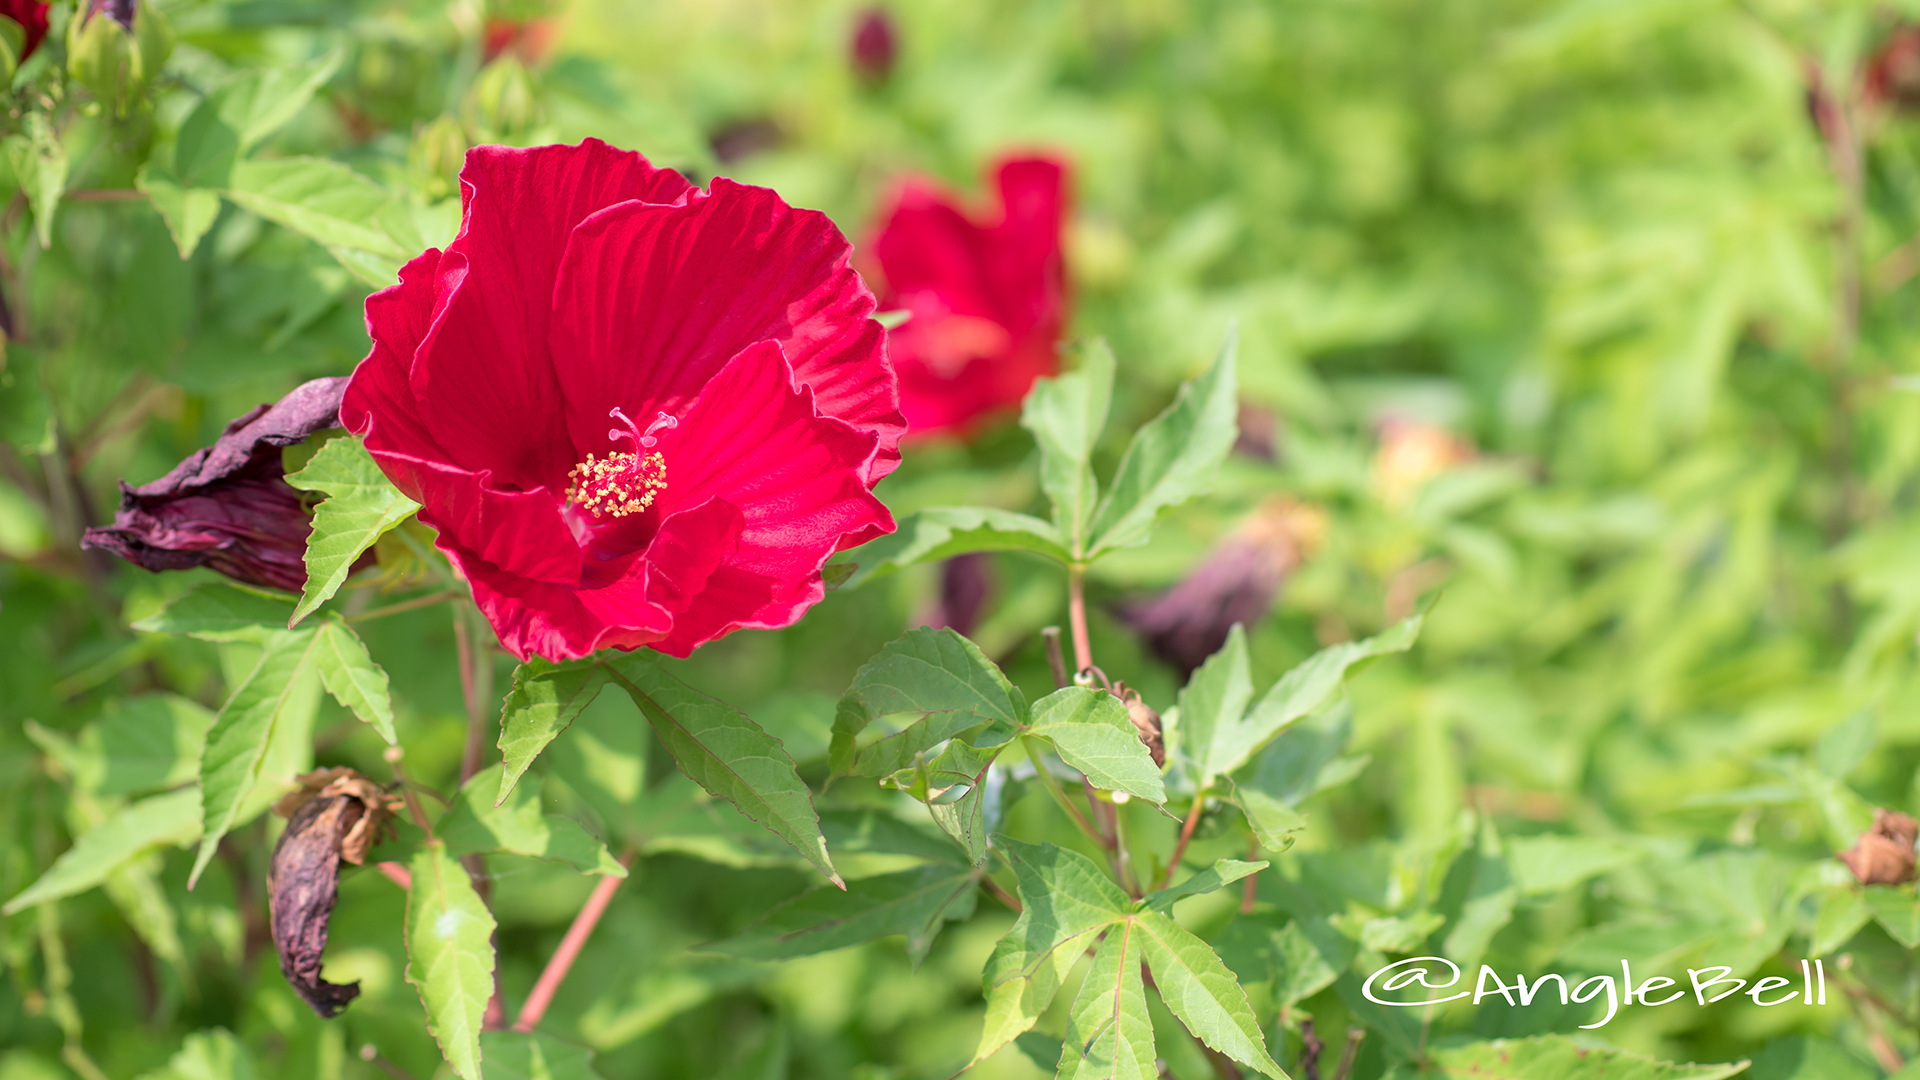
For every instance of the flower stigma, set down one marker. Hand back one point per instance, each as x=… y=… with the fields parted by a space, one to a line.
x=622 y=483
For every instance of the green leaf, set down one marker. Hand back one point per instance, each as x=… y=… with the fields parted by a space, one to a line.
x=1090 y=731
x=943 y=532
x=1843 y=911
x=925 y=671
x=880 y=832
x=916 y=903
x=1173 y=458
x=222 y=613
x=1109 y=1035
x=476 y=824
x=172 y=818
x=326 y=202
x=361 y=505
x=1554 y=1056
x=1221 y=874
x=142 y=743
x=1543 y=865
x=1897 y=910
x=235 y=118
x=727 y=754
x=188 y=211
x=351 y=676
x=1273 y=822
x=283 y=680
x=1065 y=415
x=450 y=954
x=1272 y=949
x=40 y=164
x=1486 y=898
x=1306 y=758
x=136 y=890
x=1023 y=976
x=545 y=700
x=965 y=762
x=208 y=1055
x=1213 y=701
x=26 y=411
x=526 y=1055
x=1200 y=990
x=13 y=41
x=1065 y=892
x=1298 y=693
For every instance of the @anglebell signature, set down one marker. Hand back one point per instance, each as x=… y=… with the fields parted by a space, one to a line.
x=1422 y=972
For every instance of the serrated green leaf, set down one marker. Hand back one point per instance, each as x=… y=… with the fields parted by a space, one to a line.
x=943 y=532
x=222 y=613
x=1306 y=758
x=450 y=954
x=282 y=681
x=1273 y=822
x=924 y=671
x=1066 y=415
x=188 y=211
x=1543 y=865
x=361 y=505
x=40 y=164
x=135 y=889
x=208 y=1055
x=1213 y=700
x=1554 y=1056
x=350 y=675
x=140 y=744
x=474 y=824
x=527 y=1055
x=1173 y=458
x=727 y=754
x=1299 y=692
x=326 y=202
x=965 y=762
x=916 y=903
x=1090 y=730
x=1843 y=911
x=1485 y=900
x=1022 y=977
x=1221 y=874
x=1272 y=949
x=1200 y=990
x=545 y=700
x=1897 y=910
x=172 y=818
x=1066 y=892
x=1109 y=1034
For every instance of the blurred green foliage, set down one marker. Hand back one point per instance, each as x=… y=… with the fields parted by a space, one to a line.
x=1597 y=318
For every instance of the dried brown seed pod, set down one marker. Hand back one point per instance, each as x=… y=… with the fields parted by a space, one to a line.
x=335 y=814
x=1145 y=721
x=1884 y=854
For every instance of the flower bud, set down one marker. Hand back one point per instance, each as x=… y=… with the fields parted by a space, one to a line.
x=228 y=507
x=23 y=25
x=336 y=814
x=1884 y=854
x=874 y=46
x=438 y=151
x=503 y=100
x=116 y=48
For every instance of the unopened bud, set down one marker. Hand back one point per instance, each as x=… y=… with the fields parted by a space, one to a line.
x=503 y=101
x=115 y=48
x=436 y=155
x=874 y=45
x=1884 y=854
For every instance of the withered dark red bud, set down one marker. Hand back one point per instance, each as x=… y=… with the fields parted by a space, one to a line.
x=1235 y=583
x=874 y=45
x=120 y=11
x=1884 y=854
x=1147 y=723
x=229 y=507
x=336 y=814
x=965 y=584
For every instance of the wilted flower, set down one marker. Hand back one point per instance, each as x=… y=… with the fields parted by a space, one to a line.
x=638 y=413
x=228 y=507
x=32 y=17
x=1235 y=583
x=987 y=300
x=1412 y=453
x=1884 y=854
x=336 y=814
x=965 y=584
x=874 y=45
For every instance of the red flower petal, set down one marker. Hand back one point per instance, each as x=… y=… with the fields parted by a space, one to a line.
x=652 y=301
x=379 y=404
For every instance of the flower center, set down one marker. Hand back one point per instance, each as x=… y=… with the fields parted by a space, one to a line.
x=622 y=483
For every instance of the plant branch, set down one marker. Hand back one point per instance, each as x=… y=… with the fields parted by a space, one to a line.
x=1354 y=1035
x=393 y=754
x=414 y=604
x=563 y=957
x=476 y=685
x=1055 y=660
x=1186 y=837
x=1077 y=619
x=1001 y=894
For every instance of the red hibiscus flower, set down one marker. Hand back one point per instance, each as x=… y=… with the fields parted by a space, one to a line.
x=638 y=413
x=987 y=300
x=32 y=17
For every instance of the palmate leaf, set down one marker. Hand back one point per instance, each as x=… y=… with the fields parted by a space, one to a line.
x=546 y=698
x=1200 y=990
x=924 y=671
x=1065 y=415
x=476 y=824
x=284 y=681
x=350 y=675
x=172 y=818
x=1556 y=1057
x=324 y=201
x=1109 y=1034
x=1214 y=878
x=222 y=613
x=727 y=754
x=527 y=1055
x=449 y=954
x=943 y=532
x=916 y=903
x=361 y=505
x=1090 y=731
x=40 y=165
x=1173 y=458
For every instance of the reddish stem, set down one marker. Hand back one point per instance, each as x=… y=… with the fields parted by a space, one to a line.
x=1077 y=618
x=1186 y=836
x=1251 y=889
x=569 y=950
x=396 y=873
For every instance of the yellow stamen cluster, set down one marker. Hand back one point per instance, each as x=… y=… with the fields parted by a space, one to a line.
x=617 y=485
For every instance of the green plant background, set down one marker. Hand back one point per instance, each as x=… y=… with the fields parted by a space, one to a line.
x=1672 y=666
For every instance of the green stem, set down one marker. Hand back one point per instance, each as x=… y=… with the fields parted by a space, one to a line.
x=1059 y=796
